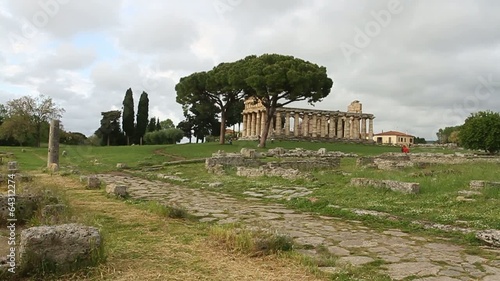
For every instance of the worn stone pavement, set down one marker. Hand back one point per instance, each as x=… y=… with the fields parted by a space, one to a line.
x=404 y=254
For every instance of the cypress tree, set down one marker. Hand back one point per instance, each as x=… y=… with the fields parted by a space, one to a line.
x=142 y=116
x=128 y=115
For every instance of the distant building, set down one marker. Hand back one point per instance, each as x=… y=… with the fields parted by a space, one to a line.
x=394 y=137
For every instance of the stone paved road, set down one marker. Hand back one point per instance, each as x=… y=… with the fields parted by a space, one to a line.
x=404 y=255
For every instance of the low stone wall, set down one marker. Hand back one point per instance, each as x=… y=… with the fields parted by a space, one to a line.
x=404 y=187
x=396 y=160
x=286 y=173
x=480 y=184
x=308 y=164
x=302 y=153
x=386 y=161
x=231 y=160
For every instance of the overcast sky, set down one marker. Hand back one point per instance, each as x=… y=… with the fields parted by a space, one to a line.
x=416 y=65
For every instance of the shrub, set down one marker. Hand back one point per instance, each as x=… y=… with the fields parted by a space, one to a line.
x=167 y=136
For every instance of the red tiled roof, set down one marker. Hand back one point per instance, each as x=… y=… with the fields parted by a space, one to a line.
x=393 y=133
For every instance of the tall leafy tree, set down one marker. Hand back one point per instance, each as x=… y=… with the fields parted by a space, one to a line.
x=278 y=80
x=481 y=130
x=17 y=127
x=444 y=135
x=33 y=112
x=109 y=132
x=187 y=128
x=167 y=124
x=128 y=115
x=223 y=86
x=142 y=116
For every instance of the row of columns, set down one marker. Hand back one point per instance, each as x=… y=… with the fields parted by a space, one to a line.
x=315 y=125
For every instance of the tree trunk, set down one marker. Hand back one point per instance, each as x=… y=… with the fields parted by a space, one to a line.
x=128 y=140
x=265 y=132
x=108 y=140
x=222 y=138
x=38 y=134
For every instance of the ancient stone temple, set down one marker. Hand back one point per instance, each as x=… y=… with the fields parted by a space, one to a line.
x=308 y=124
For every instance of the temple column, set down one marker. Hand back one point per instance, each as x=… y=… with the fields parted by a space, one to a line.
x=324 y=125
x=257 y=123
x=250 y=124
x=305 y=125
x=355 y=128
x=331 y=129
x=278 y=123
x=370 y=128
x=314 y=125
x=244 y=125
x=296 y=120
x=287 y=123
x=363 y=128
x=347 y=128
x=340 y=131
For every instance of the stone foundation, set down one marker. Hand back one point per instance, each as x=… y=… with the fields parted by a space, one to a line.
x=404 y=187
x=286 y=173
x=396 y=160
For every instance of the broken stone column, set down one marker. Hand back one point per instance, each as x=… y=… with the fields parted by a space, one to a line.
x=53 y=156
x=64 y=246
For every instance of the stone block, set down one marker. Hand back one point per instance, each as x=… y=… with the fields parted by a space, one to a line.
x=120 y=190
x=121 y=166
x=53 y=212
x=25 y=207
x=248 y=153
x=278 y=151
x=215 y=184
x=477 y=184
x=491 y=237
x=322 y=151
x=63 y=246
x=93 y=182
x=53 y=167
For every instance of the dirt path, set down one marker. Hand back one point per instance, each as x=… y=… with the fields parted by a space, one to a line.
x=146 y=246
x=402 y=255
x=172 y=156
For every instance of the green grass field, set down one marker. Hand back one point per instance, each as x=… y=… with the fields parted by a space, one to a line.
x=436 y=201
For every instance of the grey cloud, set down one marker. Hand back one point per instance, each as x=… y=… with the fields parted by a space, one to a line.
x=68 y=57
x=64 y=18
x=158 y=33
